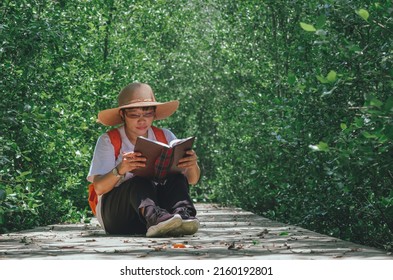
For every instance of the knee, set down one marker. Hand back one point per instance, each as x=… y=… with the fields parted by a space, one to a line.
x=140 y=186
x=178 y=179
x=140 y=180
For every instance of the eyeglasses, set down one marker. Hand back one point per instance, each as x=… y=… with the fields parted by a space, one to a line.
x=133 y=115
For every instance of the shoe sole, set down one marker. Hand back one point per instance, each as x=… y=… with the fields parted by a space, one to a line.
x=187 y=227
x=163 y=228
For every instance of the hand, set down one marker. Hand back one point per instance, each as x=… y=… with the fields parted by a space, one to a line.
x=189 y=160
x=130 y=162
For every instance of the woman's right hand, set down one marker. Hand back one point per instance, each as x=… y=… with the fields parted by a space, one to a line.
x=130 y=162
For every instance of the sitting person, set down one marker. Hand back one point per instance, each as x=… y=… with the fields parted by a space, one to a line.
x=130 y=204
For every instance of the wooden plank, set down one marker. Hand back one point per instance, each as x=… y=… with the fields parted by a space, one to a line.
x=225 y=233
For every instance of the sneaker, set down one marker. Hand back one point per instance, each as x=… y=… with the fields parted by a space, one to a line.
x=160 y=222
x=189 y=225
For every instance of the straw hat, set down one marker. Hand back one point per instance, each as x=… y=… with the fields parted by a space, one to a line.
x=137 y=95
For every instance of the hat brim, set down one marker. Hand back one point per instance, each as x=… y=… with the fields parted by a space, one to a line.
x=111 y=117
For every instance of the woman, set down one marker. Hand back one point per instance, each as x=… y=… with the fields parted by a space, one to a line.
x=129 y=204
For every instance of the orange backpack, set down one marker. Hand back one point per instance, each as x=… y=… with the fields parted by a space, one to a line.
x=114 y=136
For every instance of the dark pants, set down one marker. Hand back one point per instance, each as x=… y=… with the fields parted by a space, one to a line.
x=120 y=207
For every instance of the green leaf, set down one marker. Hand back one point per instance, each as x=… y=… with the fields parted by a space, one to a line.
x=291 y=78
x=359 y=122
x=2 y=195
x=369 y=136
x=321 y=147
x=284 y=233
x=321 y=20
x=24 y=174
x=382 y=139
x=363 y=13
x=376 y=102
x=343 y=126
x=307 y=27
x=388 y=104
x=25 y=129
x=332 y=76
x=322 y=79
x=389 y=132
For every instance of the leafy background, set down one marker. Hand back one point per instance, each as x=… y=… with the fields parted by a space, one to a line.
x=291 y=103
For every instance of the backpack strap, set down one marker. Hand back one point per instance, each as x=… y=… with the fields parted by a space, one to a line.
x=114 y=136
x=159 y=134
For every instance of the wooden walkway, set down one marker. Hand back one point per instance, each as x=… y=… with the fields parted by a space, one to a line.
x=225 y=233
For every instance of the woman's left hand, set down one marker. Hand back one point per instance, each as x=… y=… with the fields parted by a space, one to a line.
x=189 y=160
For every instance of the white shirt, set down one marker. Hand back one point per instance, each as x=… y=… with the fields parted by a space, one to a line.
x=104 y=158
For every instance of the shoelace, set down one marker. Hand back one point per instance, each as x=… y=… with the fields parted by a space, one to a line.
x=160 y=212
x=184 y=212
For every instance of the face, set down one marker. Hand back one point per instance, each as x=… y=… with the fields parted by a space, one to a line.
x=138 y=120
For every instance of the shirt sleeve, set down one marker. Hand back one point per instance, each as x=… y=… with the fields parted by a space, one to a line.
x=103 y=158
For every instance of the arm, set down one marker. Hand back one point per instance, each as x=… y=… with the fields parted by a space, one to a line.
x=105 y=183
x=190 y=163
x=130 y=161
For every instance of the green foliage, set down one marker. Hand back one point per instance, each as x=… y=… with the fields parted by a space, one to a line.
x=290 y=101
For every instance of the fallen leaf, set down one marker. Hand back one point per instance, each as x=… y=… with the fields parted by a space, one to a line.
x=159 y=249
x=233 y=246
x=262 y=233
x=66 y=247
x=178 y=245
